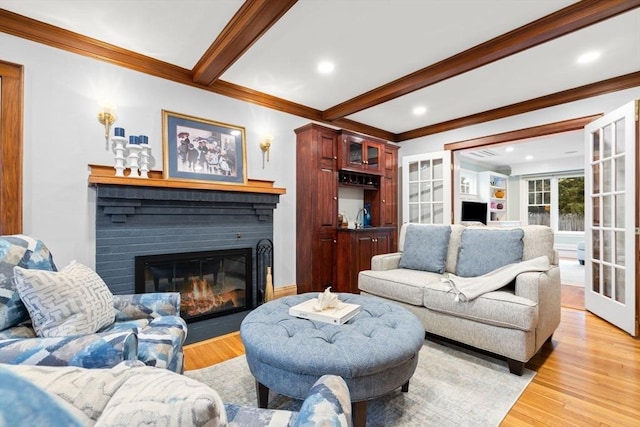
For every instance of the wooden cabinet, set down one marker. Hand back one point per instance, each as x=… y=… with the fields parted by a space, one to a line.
x=317 y=207
x=360 y=154
x=326 y=255
x=355 y=249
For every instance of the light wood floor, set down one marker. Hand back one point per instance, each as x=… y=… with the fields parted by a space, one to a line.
x=588 y=376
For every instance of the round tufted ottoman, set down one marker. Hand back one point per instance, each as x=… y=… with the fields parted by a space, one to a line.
x=375 y=352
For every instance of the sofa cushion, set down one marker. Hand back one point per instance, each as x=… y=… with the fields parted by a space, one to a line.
x=399 y=285
x=483 y=250
x=537 y=242
x=500 y=308
x=425 y=247
x=74 y=301
x=23 y=251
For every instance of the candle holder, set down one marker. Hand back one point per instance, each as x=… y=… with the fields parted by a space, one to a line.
x=132 y=160
x=145 y=154
x=119 y=149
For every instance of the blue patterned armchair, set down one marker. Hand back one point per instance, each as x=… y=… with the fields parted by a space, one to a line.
x=146 y=327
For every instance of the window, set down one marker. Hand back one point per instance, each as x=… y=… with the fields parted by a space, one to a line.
x=557 y=202
x=539 y=206
x=571 y=204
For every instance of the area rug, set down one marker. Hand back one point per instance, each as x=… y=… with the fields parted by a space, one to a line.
x=452 y=386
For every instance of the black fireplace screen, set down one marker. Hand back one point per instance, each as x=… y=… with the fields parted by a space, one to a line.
x=211 y=284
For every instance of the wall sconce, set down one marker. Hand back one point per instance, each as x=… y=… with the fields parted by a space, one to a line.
x=106 y=117
x=265 y=146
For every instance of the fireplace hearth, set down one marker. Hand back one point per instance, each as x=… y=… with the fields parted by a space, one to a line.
x=210 y=283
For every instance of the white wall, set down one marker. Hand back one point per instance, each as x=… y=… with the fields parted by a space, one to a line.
x=62 y=96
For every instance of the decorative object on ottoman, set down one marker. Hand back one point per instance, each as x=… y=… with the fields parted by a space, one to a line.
x=375 y=352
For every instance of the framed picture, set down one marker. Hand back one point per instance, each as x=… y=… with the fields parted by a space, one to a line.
x=203 y=150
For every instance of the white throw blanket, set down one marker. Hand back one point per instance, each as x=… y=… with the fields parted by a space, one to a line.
x=469 y=288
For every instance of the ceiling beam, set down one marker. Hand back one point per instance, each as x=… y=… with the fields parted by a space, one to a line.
x=40 y=32
x=526 y=133
x=557 y=24
x=250 y=22
x=615 y=84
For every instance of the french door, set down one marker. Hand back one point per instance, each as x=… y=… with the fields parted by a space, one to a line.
x=611 y=224
x=426 y=188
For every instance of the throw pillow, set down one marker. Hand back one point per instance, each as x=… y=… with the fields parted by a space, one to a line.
x=26 y=252
x=483 y=250
x=74 y=301
x=425 y=247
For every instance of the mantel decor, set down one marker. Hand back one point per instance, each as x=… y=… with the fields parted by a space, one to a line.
x=203 y=150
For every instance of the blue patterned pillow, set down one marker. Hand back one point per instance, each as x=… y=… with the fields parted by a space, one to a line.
x=425 y=247
x=22 y=251
x=483 y=250
x=25 y=404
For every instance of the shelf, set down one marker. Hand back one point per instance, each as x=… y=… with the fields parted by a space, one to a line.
x=106 y=175
x=352 y=179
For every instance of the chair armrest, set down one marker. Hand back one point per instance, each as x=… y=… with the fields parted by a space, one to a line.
x=101 y=350
x=146 y=306
x=386 y=261
x=328 y=403
x=544 y=289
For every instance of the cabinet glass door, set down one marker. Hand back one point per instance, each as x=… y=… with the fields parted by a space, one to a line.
x=355 y=153
x=373 y=156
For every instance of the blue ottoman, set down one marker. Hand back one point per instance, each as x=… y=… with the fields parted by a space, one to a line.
x=375 y=352
x=580 y=252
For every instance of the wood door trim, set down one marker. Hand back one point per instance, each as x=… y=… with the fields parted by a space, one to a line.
x=525 y=133
x=11 y=125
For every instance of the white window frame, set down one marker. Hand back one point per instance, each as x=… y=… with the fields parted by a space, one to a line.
x=555 y=211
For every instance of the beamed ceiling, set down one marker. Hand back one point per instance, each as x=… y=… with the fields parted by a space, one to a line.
x=464 y=62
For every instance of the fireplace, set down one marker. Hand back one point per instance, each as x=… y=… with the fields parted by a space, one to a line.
x=151 y=218
x=210 y=283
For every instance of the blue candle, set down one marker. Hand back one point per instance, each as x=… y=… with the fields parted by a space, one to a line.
x=119 y=132
x=143 y=139
x=133 y=139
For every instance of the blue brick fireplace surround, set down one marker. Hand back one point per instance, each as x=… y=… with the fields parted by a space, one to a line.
x=137 y=220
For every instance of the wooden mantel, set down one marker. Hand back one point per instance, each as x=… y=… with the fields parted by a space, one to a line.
x=106 y=175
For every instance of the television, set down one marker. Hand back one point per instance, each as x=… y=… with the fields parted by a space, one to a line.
x=474 y=211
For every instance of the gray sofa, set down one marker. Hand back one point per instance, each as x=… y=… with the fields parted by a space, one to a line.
x=513 y=321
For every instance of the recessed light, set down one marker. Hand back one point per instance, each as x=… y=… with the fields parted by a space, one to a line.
x=509 y=149
x=588 y=57
x=529 y=158
x=326 y=67
x=419 y=110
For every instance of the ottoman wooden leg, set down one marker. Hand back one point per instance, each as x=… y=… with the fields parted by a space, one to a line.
x=405 y=387
x=262 y=392
x=359 y=413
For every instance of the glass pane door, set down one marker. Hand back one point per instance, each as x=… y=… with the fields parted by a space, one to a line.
x=610 y=220
x=427 y=188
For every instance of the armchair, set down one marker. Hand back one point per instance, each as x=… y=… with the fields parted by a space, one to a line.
x=146 y=327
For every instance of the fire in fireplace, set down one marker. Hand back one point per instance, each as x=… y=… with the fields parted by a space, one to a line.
x=211 y=284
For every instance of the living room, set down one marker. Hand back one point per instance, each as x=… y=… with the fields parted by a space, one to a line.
x=62 y=94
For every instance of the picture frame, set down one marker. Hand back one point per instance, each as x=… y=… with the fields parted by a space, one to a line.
x=198 y=149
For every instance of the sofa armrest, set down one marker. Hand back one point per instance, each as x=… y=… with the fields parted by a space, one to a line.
x=386 y=261
x=542 y=288
x=101 y=350
x=328 y=403
x=146 y=306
